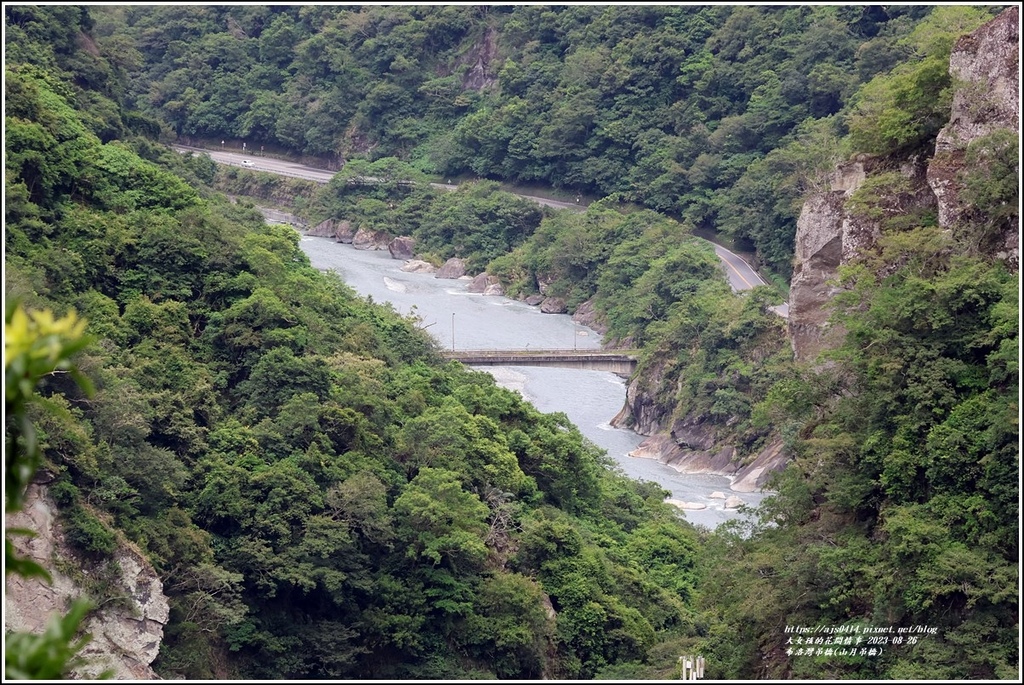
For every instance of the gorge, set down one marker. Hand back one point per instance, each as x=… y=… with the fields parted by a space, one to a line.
x=257 y=469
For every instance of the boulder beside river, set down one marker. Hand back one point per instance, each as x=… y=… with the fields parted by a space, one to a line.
x=485 y=284
x=370 y=240
x=402 y=247
x=344 y=232
x=453 y=268
x=553 y=305
x=418 y=266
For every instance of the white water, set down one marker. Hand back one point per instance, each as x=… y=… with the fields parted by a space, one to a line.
x=462 y=320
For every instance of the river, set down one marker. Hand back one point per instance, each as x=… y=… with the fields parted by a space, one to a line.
x=463 y=320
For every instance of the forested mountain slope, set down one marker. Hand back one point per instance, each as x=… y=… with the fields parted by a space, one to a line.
x=320 y=495
x=299 y=465
x=720 y=115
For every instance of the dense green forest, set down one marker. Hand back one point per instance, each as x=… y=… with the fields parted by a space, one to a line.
x=324 y=497
x=719 y=115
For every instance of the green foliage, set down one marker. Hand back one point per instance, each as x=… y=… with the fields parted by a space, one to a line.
x=509 y=628
x=325 y=498
x=477 y=222
x=37 y=344
x=889 y=201
x=441 y=521
x=908 y=106
x=666 y=107
x=51 y=655
x=902 y=506
x=130 y=183
x=764 y=203
x=991 y=189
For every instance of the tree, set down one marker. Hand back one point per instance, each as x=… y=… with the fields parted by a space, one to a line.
x=441 y=522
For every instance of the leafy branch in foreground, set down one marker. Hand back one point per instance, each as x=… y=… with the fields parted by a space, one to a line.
x=35 y=345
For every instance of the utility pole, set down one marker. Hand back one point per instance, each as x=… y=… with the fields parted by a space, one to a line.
x=453 y=331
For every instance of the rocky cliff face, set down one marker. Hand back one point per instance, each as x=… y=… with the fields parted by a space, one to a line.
x=984 y=65
x=719 y=460
x=125 y=639
x=832 y=231
x=691 y=444
x=484 y=60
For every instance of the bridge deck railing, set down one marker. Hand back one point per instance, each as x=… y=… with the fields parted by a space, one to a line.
x=541 y=352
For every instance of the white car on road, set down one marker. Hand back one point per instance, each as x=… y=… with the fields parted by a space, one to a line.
x=248 y=163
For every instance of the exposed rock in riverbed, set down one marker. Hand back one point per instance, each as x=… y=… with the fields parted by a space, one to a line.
x=324 y=229
x=371 y=240
x=751 y=477
x=402 y=247
x=485 y=284
x=418 y=266
x=453 y=268
x=344 y=232
x=690 y=506
x=586 y=315
x=553 y=305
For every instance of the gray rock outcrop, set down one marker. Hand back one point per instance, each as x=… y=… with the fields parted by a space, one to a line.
x=543 y=283
x=125 y=640
x=829 y=233
x=483 y=72
x=586 y=315
x=689 y=506
x=733 y=502
x=344 y=232
x=553 y=305
x=402 y=247
x=481 y=282
x=324 y=229
x=696 y=450
x=453 y=268
x=985 y=64
x=819 y=251
x=370 y=240
x=418 y=266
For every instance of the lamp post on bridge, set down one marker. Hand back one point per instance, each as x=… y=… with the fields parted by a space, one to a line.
x=453 y=331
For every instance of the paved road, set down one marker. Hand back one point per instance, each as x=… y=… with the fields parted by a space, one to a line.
x=741 y=275
x=282 y=168
x=268 y=164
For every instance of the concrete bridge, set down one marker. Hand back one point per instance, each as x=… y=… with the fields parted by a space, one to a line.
x=619 y=362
